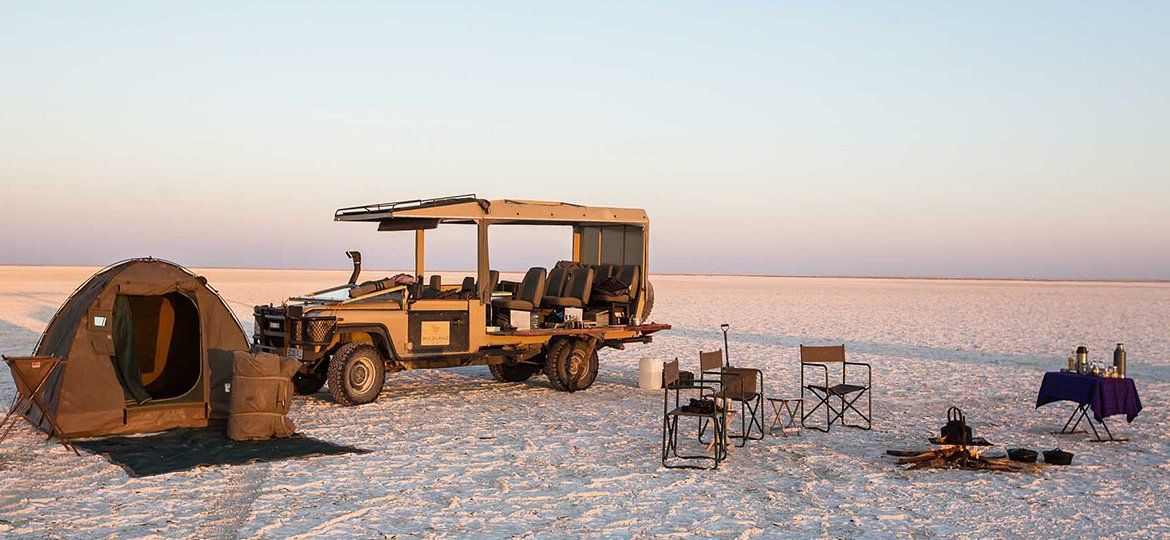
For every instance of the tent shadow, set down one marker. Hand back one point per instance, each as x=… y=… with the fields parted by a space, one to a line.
x=186 y=449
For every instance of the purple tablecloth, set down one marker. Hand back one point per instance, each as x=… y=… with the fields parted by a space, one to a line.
x=1105 y=396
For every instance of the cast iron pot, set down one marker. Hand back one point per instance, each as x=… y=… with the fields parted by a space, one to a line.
x=1022 y=454
x=1058 y=457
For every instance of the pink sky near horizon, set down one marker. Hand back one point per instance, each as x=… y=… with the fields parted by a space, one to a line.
x=896 y=141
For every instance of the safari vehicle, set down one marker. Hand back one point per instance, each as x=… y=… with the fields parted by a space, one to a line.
x=553 y=321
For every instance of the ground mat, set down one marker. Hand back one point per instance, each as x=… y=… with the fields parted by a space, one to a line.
x=184 y=449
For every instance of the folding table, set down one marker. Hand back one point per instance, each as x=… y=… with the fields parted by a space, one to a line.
x=1103 y=396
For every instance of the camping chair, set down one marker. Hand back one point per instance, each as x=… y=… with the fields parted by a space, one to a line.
x=30 y=375
x=741 y=385
x=670 y=416
x=849 y=394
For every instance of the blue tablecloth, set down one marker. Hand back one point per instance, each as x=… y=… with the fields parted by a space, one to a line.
x=1105 y=396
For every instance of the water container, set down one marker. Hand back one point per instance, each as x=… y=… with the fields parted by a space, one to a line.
x=650 y=374
x=1119 y=360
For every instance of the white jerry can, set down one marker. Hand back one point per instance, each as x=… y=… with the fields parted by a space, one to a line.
x=650 y=374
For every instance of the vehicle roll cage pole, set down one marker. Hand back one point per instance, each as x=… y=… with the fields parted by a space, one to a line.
x=483 y=264
x=419 y=253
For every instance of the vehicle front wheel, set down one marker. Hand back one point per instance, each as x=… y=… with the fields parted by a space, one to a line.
x=356 y=374
x=308 y=383
x=513 y=373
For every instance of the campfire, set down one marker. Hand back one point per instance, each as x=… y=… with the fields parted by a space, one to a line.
x=958 y=449
x=958 y=457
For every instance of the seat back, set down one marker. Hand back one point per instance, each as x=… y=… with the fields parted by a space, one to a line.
x=738 y=382
x=710 y=360
x=532 y=287
x=436 y=283
x=468 y=285
x=669 y=373
x=822 y=354
x=580 y=284
x=555 y=286
x=628 y=274
x=603 y=272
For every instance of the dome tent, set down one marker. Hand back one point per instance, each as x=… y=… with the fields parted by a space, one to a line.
x=148 y=347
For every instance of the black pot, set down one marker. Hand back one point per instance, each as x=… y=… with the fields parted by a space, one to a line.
x=1022 y=454
x=956 y=431
x=1058 y=457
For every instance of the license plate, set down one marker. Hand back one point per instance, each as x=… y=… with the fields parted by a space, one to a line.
x=296 y=353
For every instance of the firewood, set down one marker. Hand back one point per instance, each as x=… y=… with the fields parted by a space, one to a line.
x=958 y=457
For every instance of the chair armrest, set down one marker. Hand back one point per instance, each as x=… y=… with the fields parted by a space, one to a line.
x=811 y=364
x=868 y=371
x=862 y=364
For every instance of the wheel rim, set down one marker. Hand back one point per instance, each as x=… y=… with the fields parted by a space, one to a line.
x=362 y=375
x=576 y=367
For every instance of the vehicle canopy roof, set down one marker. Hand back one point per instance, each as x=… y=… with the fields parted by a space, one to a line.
x=468 y=209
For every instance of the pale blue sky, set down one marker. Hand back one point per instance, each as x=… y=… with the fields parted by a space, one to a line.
x=1015 y=140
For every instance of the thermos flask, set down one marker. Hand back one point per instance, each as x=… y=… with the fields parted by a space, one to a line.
x=1082 y=359
x=1119 y=360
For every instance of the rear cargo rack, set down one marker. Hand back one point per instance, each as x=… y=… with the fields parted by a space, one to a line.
x=378 y=211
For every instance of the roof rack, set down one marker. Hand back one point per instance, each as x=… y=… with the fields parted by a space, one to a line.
x=386 y=210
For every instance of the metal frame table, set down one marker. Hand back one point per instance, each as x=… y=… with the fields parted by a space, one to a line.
x=1103 y=397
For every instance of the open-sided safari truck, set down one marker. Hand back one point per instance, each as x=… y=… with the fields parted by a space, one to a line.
x=553 y=320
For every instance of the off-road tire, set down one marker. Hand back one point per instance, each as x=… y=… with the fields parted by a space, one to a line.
x=356 y=374
x=572 y=364
x=581 y=365
x=648 y=305
x=514 y=373
x=555 y=357
x=308 y=383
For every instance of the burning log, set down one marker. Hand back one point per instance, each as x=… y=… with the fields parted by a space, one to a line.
x=958 y=457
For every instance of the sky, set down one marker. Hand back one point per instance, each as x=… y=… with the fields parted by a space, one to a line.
x=1014 y=139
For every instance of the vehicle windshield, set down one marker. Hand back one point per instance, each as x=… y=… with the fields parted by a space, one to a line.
x=339 y=294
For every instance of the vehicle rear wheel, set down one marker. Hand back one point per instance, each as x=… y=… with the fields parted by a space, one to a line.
x=558 y=352
x=513 y=373
x=582 y=365
x=308 y=383
x=572 y=365
x=356 y=374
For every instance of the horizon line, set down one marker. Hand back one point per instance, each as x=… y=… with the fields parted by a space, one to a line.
x=682 y=274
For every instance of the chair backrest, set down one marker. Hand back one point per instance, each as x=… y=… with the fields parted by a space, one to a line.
x=493 y=280
x=604 y=271
x=436 y=282
x=532 y=287
x=822 y=355
x=738 y=381
x=555 y=286
x=580 y=284
x=710 y=360
x=669 y=373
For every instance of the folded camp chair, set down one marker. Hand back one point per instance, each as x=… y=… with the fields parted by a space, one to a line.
x=847 y=393
x=736 y=385
x=671 y=414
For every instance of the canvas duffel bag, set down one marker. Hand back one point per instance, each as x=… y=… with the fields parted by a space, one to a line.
x=261 y=395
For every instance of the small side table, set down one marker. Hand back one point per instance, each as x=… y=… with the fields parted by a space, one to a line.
x=789 y=406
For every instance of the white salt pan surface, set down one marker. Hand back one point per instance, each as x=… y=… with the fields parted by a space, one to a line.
x=457 y=454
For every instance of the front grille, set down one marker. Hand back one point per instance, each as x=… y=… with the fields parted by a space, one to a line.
x=278 y=327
